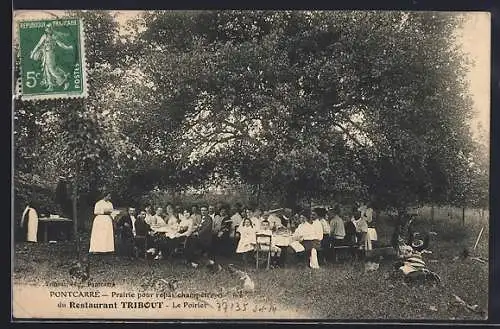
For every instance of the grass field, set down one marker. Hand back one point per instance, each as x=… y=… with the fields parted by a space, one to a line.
x=336 y=291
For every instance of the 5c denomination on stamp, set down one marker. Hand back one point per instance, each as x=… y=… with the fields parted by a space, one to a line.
x=52 y=54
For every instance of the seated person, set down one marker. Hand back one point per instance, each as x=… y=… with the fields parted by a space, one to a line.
x=308 y=233
x=274 y=221
x=179 y=211
x=200 y=240
x=125 y=229
x=320 y=215
x=172 y=217
x=286 y=218
x=256 y=218
x=224 y=240
x=326 y=243
x=265 y=228
x=195 y=216
x=150 y=217
x=237 y=235
x=163 y=239
x=158 y=219
x=216 y=219
x=184 y=228
x=247 y=238
x=143 y=232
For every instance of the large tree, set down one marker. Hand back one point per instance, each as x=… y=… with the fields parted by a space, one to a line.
x=308 y=103
x=302 y=105
x=64 y=139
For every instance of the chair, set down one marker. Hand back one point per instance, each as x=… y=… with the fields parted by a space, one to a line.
x=263 y=246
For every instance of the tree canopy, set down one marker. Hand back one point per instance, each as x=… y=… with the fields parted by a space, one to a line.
x=305 y=105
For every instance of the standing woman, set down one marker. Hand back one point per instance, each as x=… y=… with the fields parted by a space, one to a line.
x=31 y=217
x=102 y=238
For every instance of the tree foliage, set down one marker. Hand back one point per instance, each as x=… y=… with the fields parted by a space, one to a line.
x=316 y=102
x=303 y=105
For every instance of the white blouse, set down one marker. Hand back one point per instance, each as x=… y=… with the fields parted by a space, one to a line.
x=102 y=207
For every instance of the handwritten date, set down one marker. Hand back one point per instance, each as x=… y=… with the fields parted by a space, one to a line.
x=224 y=306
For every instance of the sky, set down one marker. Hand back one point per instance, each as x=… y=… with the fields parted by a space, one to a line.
x=474 y=38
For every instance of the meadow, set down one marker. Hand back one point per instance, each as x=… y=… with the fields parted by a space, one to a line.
x=340 y=290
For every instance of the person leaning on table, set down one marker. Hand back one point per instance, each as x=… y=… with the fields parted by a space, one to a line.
x=29 y=220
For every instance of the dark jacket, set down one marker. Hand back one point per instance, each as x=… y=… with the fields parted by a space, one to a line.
x=204 y=230
x=124 y=224
x=141 y=227
x=350 y=233
x=226 y=224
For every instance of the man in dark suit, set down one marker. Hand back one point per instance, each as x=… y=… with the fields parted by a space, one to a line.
x=200 y=241
x=142 y=238
x=125 y=227
x=223 y=241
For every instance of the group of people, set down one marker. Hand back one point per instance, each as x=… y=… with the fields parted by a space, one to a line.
x=206 y=231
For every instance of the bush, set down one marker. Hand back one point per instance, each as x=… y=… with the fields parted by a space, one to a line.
x=28 y=187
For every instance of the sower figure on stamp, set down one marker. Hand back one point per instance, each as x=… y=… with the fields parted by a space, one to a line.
x=200 y=240
x=45 y=52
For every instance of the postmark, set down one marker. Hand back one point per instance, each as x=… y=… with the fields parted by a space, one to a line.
x=52 y=59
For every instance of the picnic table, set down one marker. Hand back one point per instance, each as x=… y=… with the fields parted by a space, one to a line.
x=372 y=234
x=54 y=221
x=161 y=229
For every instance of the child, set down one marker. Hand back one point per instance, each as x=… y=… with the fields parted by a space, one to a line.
x=247 y=238
x=265 y=228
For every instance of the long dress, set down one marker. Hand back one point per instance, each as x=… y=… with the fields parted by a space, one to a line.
x=102 y=238
x=44 y=51
x=32 y=218
x=247 y=239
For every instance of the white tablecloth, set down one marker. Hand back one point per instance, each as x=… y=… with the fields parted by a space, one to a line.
x=372 y=234
x=282 y=240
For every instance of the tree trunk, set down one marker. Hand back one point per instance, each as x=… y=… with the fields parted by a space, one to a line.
x=432 y=213
x=258 y=193
x=463 y=216
x=76 y=237
x=291 y=198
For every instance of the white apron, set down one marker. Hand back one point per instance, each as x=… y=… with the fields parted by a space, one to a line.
x=32 y=224
x=102 y=238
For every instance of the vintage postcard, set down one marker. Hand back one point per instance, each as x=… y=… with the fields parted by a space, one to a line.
x=321 y=165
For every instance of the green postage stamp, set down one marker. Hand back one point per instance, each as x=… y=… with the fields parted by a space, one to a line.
x=52 y=59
